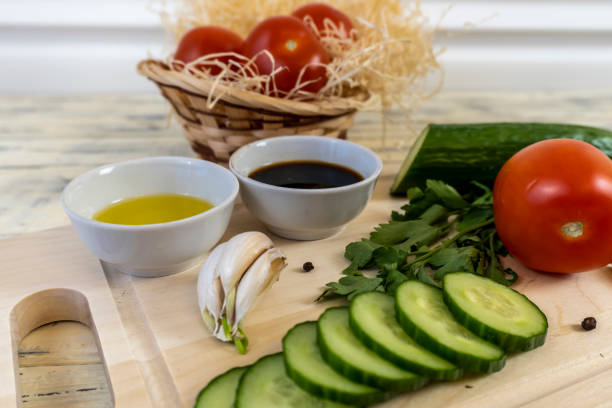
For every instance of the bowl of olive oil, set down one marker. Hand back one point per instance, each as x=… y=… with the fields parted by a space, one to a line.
x=154 y=216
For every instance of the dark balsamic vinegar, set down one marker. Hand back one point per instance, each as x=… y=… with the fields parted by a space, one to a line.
x=306 y=174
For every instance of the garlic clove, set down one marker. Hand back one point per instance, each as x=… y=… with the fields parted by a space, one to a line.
x=240 y=252
x=238 y=255
x=261 y=275
x=210 y=291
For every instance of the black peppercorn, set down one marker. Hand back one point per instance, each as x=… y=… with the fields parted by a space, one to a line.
x=308 y=266
x=589 y=323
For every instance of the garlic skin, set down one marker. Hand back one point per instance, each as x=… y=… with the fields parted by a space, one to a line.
x=210 y=290
x=240 y=252
x=233 y=277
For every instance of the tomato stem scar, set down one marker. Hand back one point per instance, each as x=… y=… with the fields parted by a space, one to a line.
x=291 y=45
x=572 y=229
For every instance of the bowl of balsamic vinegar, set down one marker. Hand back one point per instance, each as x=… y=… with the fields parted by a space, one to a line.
x=305 y=187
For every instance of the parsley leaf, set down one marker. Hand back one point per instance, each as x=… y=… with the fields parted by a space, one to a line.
x=417 y=206
x=351 y=286
x=360 y=254
x=389 y=255
x=421 y=231
x=454 y=259
x=475 y=216
x=416 y=231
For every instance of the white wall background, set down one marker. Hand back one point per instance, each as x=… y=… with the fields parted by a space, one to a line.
x=85 y=46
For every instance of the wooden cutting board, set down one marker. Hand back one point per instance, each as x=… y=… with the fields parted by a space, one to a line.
x=159 y=354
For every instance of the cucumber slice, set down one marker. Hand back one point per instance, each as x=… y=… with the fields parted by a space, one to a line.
x=372 y=318
x=306 y=367
x=422 y=313
x=346 y=354
x=460 y=153
x=266 y=385
x=221 y=390
x=494 y=311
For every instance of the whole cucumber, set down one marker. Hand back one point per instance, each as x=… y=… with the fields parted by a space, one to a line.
x=460 y=153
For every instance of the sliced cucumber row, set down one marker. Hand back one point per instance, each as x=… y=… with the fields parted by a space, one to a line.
x=342 y=350
x=495 y=312
x=266 y=385
x=421 y=311
x=372 y=318
x=379 y=346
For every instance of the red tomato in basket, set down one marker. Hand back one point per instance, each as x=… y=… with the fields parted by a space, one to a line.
x=552 y=203
x=207 y=40
x=320 y=13
x=293 y=47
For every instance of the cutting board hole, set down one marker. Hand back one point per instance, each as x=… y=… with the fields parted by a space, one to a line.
x=50 y=369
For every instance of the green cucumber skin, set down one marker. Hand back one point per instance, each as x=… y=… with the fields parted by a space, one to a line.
x=329 y=393
x=400 y=360
x=335 y=395
x=466 y=361
x=213 y=382
x=343 y=367
x=508 y=342
x=460 y=153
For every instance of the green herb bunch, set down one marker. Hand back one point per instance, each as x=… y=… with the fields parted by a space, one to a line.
x=404 y=248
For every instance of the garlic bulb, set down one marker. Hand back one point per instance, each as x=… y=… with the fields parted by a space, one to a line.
x=231 y=279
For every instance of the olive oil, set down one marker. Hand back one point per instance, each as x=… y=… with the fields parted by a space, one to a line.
x=152 y=209
x=306 y=174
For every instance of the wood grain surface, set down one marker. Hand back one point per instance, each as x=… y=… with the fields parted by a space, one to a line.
x=59 y=365
x=46 y=141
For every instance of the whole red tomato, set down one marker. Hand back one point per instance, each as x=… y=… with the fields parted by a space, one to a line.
x=320 y=12
x=293 y=47
x=207 y=40
x=553 y=206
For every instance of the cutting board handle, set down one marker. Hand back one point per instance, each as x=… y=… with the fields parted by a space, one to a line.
x=45 y=307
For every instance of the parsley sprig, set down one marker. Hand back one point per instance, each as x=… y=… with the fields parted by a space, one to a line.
x=404 y=249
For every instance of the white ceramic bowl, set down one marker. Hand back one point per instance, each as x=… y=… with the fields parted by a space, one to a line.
x=155 y=249
x=305 y=214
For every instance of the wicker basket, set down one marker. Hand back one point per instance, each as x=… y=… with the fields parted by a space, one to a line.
x=239 y=117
